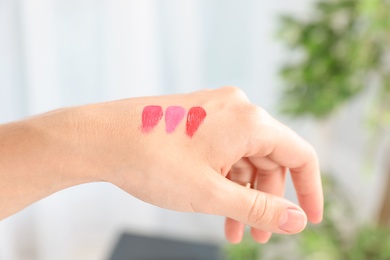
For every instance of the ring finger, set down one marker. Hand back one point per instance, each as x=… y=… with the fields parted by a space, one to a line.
x=270 y=178
x=242 y=173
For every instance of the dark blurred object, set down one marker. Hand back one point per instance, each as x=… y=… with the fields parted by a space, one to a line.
x=341 y=50
x=136 y=247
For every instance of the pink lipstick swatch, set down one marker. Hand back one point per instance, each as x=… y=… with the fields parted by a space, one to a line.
x=195 y=118
x=173 y=116
x=151 y=115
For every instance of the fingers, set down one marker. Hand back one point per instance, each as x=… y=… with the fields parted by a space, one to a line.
x=242 y=173
x=302 y=161
x=270 y=179
x=257 y=209
x=286 y=148
x=260 y=236
x=234 y=230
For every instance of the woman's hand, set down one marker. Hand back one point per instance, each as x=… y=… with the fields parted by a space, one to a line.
x=235 y=144
x=194 y=152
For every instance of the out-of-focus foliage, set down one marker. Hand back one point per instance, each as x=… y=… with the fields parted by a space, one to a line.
x=247 y=249
x=339 y=51
x=339 y=237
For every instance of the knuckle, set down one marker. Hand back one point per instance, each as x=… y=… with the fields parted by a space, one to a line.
x=259 y=129
x=312 y=152
x=231 y=89
x=234 y=91
x=254 y=110
x=309 y=154
x=255 y=114
x=257 y=118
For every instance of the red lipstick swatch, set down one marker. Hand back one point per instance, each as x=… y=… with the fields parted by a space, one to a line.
x=151 y=115
x=195 y=118
x=173 y=116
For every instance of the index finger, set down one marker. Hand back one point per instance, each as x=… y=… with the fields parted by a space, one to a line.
x=288 y=149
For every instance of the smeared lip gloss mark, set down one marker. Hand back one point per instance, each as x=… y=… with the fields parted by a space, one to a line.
x=173 y=116
x=195 y=118
x=151 y=115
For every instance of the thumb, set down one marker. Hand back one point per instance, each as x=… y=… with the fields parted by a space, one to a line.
x=255 y=208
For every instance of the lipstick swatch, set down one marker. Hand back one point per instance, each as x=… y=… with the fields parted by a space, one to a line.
x=151 y=115
x=195 y=118
x=173 y=116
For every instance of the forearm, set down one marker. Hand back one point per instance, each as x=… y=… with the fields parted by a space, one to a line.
x=38 y=156
x=59 y=149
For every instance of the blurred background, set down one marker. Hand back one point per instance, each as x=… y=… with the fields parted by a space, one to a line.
x=304 y=68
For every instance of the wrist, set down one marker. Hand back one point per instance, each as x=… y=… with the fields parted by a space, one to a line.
x=109 y=138
x=59 y=147
x=38 y=157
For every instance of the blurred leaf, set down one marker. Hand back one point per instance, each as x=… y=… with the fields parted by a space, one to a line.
x=337 y=54
x=341 y=48
x=246 y=250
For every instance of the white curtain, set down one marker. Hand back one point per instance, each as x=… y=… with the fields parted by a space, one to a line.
x=56 y=53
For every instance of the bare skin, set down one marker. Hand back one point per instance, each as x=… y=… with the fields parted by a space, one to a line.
x=238 y=143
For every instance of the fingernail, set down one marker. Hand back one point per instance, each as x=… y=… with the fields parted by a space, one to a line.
x=292 y=221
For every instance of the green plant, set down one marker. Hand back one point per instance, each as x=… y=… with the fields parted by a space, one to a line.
x=341 y=49
x=247 y=250
x=340 y=52
x=339 y=237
